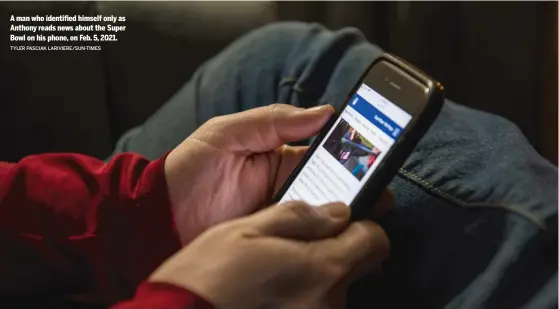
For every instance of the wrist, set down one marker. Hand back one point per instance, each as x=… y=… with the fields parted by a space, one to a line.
x=152 y=236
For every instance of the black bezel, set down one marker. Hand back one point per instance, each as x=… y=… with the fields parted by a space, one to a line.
x=410 y=136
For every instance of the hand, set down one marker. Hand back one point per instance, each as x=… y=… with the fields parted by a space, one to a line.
x=288 y=256
x=232 y=165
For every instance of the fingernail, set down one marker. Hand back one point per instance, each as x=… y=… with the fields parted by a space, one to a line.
x=322 y=108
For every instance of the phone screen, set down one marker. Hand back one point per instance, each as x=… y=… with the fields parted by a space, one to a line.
x=351 y=151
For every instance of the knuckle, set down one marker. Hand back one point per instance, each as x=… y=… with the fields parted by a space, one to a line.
x=274 y=111
x=275 y=107
x=206 y=127
x=301 y=210
x=233 y=231
x=329 y=267
x=382 y=241
x=214 y=122
x=212 y=130
x=278 y=110
x=334 y=269
x=332 y=265
x=296 y=207
x=375 y=238
x=210 y=122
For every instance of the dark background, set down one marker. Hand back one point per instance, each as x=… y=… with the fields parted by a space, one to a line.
x=496 y=56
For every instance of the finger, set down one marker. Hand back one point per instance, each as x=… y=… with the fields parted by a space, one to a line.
x=384 y=205
x=290 y=158
x=300 y=221
x=264 y=129
x=362 y=243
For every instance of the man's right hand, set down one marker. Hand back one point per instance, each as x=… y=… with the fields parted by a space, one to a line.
x=287 y=256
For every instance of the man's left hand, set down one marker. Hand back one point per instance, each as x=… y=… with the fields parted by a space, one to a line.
x=232 y=165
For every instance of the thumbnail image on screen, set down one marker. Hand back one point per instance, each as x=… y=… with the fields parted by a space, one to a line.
x=351 y=149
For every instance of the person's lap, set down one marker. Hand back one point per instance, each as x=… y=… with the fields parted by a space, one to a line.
x=474 y=200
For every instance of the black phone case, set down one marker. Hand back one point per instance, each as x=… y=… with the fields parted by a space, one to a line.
x=387 y=169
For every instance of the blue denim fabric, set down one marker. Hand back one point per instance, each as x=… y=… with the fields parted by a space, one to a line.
x=476 y=219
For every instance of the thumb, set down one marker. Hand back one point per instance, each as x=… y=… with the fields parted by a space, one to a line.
x=301 y=221
x=264 y=129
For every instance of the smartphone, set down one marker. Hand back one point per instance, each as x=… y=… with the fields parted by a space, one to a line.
x=361 y=148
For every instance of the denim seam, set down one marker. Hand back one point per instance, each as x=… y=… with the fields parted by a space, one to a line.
x=292 y=80
x=286 y=81
x=298 y=88
x=430 y=188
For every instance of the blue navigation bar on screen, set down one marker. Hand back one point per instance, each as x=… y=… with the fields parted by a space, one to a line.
x=375 y=116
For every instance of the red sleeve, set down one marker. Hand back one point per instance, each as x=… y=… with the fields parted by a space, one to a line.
x=71 y=224
x=162 y=295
